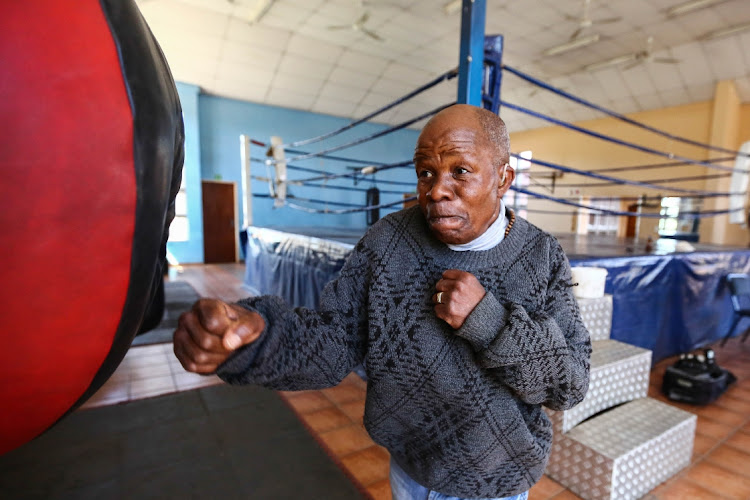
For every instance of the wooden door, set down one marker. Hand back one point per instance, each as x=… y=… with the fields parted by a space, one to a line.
x=220 y=236
x=630 y=228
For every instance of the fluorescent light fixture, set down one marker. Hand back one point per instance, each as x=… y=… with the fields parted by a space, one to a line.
x=731 y=30
x=615 y=61
x=690 y=6
x=452 y=7
x=259 y=10
x=576 y=43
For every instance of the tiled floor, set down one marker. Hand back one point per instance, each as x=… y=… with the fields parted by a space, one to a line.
x=148 y=371
x=720 y=467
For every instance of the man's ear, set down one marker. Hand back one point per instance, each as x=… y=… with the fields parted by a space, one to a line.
x=507 y=175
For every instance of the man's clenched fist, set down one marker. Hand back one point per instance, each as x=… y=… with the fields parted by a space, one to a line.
x=211 y=331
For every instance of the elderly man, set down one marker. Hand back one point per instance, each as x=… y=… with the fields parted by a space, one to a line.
x=461 y=312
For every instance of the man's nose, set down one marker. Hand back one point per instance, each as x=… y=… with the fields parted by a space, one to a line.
x=442 y=188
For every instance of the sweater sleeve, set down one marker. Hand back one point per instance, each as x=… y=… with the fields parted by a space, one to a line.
x=302 y=348
x=543 y=356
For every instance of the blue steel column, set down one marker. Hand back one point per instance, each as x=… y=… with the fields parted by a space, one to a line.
x=471 y=55
x=493 y=76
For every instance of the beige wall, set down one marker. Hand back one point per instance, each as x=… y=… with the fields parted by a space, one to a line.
x=723 y=121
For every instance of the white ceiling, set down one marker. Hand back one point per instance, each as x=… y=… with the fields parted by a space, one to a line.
x=291 y=58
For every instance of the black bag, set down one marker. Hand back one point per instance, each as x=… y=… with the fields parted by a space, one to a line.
x=696 y=379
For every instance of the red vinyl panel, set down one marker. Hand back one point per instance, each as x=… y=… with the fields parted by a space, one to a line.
x=67 y=207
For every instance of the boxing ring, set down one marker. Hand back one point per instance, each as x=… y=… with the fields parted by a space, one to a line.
x=665 y=300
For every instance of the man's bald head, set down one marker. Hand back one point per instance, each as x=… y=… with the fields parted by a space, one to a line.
x=497 y=134
x=488 y=123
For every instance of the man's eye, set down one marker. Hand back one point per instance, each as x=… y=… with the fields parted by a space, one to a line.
x=461 y=171
x=424 y=174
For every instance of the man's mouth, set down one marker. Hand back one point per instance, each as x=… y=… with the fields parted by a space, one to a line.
x=444 y=220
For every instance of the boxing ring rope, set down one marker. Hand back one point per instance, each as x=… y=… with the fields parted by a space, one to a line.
x=617 y=180
x=678 y=179
x=324 y=175
x=651 y=166
x=610 y=181
x=619 y=116
x=688 y=215
x=614 y=140
x=368 y=138
x=262 y=144
x=448 y=75
x=356 y=208
x=367 y=172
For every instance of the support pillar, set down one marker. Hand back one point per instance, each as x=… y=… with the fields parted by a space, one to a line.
x=725 y=122
x=471 y=55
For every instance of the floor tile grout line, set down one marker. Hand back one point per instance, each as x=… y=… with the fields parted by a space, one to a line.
x=328 y=451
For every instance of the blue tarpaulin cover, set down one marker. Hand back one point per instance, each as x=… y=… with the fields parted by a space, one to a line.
x=668 y=303
x=293 y=266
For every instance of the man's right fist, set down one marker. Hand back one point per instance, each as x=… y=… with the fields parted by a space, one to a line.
x=211 y=331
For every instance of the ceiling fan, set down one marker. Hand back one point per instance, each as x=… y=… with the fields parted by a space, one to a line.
x=634 y=59
x=585 y=20
x=359 y=25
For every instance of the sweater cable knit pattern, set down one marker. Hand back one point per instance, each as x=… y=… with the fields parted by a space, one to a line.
x=459 y=410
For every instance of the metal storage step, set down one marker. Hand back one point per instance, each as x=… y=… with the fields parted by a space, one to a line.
x=624 y=452
x=619 y=373
x=597 y=316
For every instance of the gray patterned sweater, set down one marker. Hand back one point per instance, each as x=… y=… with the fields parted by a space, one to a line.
x=459 y=410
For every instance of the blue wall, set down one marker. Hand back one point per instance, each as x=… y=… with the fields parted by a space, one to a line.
x=192 y=249
x=223 y=120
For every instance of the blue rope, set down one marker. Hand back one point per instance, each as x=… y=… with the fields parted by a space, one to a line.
x=445 y=76
x=336 y=158
x=366 y=138
x=678 y=179
x=685 y=215
x=357 y=173
x=613 y=179
x=619 y=116
x=362 y=208
x=551 y=212
x=327 y=176
x=324 y=174
x=326 y=157
x=652 y=166
x=312 y=200
x=616 y=141
x=346 y=188
x=359 y=208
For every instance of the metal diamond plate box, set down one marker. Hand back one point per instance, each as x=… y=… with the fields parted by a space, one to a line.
x=619 y=373
x=625 y=452
x=597 y=316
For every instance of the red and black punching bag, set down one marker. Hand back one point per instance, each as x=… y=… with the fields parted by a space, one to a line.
x=91 y=154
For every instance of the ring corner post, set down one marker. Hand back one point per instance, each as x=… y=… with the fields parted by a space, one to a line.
x=471 y=54
x=493 y=72
x=247 y=200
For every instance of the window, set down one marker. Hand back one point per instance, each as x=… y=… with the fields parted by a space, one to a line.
x=519 y=202
x=179 y=230
x=671 y=224
x=603 y=222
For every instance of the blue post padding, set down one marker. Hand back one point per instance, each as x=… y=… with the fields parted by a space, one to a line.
x=493 y=72
x=471 y=55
